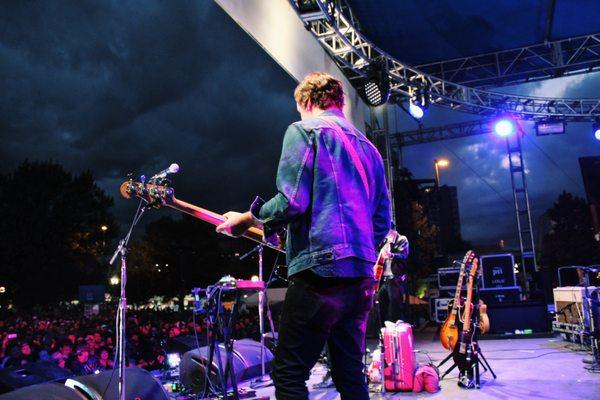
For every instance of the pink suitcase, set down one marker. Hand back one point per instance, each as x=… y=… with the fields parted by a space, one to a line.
x=400 y=363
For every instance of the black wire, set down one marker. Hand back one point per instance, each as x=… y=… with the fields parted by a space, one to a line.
x=479 y=175
x=554 y=162
x=528 y=358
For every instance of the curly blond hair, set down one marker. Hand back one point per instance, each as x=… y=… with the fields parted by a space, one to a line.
x=321 y=89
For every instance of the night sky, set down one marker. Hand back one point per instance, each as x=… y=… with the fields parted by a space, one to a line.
x=119 y=87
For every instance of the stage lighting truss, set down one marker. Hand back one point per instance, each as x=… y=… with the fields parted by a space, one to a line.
x=336 y=30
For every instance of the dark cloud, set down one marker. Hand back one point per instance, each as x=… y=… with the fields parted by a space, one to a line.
x=487 y=214
x=117 y=87
x=131 y=86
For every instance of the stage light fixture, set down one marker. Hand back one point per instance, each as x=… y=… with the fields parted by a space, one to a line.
x=414 y=110
x=596 y=130
x=376 y=89
x=173 y=360
x=505 y=127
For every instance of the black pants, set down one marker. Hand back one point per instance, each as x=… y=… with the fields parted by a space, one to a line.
x=319 y=311
x=392 y=298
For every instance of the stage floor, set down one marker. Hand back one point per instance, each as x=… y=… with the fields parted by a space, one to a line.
x=526 y=369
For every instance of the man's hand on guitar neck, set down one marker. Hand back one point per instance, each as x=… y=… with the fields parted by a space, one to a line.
x=236 y=224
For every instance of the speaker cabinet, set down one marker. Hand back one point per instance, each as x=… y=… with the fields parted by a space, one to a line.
x=246 y=364
x=46 y=391
x=139 y=385
x=31 y=374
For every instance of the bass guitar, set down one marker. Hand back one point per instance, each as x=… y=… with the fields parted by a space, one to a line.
x=449 y=330
x=380 y=264
x=164 y=196
x=463 y=351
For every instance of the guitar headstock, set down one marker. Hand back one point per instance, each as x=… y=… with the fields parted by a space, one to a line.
x=468 y=258
x=155 y=195
x=474 y=266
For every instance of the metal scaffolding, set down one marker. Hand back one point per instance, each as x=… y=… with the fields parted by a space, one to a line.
x=339 y=36
x=570 y=56
x=521 y=201
x=434 y=134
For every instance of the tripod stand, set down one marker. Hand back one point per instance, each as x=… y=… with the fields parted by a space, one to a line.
x=474 y=371
x=261 y=381
x=122 y=308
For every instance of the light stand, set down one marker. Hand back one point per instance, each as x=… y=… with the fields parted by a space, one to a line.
x=122 y=308
x=261 y=381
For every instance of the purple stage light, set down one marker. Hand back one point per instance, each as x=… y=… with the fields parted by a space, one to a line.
x=505 y=127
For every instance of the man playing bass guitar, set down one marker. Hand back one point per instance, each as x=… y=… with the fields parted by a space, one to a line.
x=333 y=198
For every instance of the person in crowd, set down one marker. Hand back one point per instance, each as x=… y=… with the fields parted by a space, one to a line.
x=84 y=363
x=104 y=360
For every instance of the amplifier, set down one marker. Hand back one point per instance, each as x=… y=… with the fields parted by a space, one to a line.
x=448 y=278
x=568 y=303
x=505 y=295
x=498 y=270
x=441 y=310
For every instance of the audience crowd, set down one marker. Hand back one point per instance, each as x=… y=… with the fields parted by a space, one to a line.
x=86 y=345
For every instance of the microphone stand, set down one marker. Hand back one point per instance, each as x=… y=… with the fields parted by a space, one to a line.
x=122 y=307
x=262 y=381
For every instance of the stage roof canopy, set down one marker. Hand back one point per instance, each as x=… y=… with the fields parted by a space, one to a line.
x=421 y=32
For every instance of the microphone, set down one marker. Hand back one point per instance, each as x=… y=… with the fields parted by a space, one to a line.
x=173 y=169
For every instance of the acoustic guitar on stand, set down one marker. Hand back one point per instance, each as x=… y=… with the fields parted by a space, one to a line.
x=449 y=330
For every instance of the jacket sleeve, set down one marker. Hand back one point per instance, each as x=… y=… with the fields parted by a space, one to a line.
x=381 y=215
x=294 y=180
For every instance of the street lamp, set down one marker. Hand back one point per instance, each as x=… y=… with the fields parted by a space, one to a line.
x=103 y=228
x=443 y=163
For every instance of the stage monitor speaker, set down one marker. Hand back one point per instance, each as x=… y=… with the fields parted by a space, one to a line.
x=31 y=374
x=184 y=343
x=46 y=391
x=139 y=385
x=498 y=270
x=507 y=318
x=246 y=364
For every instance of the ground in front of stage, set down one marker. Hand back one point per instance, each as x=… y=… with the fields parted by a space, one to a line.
x=546 y=368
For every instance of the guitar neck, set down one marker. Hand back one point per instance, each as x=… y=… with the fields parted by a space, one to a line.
x=254 y=234
x=459 y=286
x=469 y=299
x=467 y=314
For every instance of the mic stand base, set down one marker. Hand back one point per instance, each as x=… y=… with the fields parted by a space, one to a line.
x=261 y=382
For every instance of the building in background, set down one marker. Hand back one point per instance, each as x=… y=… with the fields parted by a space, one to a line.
x=440 y=204
x=590 y=171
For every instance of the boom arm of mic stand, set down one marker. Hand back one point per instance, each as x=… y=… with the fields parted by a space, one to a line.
x=254 y=250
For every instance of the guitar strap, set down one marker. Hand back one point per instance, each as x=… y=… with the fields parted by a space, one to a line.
x=353 y=154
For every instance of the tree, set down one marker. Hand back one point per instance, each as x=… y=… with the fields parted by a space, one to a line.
x=51 y=237
x=570 y=240
x=176 y=255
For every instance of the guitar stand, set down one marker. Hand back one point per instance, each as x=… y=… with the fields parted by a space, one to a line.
x=464 y=379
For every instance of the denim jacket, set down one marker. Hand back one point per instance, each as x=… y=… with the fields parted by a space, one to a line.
x=322 y=198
